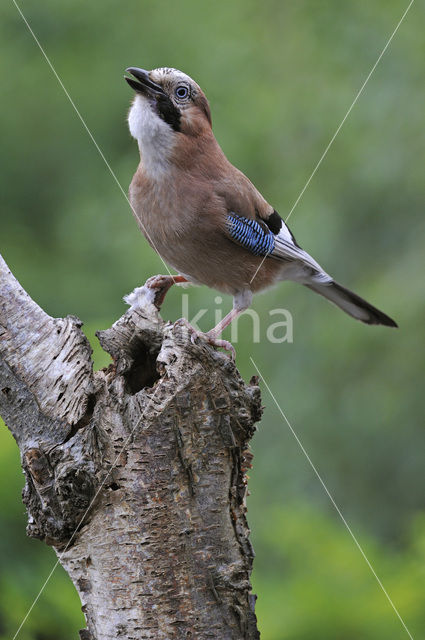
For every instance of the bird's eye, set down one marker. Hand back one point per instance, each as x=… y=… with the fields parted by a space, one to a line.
x=182 y=92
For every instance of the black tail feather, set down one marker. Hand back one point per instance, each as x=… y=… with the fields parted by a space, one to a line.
x=352 y=304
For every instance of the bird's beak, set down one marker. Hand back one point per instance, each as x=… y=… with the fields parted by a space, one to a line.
x=143 y=84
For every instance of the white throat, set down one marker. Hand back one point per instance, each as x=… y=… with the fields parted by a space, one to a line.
x=154 y=136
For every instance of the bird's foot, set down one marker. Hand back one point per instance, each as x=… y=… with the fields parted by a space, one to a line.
x=160 y=285
x=209 y=338
x=221 y=344
x=153 y=291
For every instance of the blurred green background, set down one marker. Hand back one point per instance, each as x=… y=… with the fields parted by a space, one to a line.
x=280 y=75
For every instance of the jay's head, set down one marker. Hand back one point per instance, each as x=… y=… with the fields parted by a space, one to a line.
x=167 y=103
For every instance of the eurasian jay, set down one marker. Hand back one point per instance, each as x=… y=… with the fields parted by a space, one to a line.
x=202 y=215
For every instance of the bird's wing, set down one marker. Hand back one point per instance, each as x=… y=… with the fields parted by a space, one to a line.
x=271 y=238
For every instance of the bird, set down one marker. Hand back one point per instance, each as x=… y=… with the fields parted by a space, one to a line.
x=203 y=216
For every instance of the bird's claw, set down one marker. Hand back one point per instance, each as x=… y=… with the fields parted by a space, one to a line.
x=194 y=334
x=206 y=337
x=160 y=285
x=221 y=344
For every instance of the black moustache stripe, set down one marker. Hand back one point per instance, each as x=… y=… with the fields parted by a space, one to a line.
x=168 y=111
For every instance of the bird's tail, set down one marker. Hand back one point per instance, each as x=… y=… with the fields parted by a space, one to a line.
x=352 y=304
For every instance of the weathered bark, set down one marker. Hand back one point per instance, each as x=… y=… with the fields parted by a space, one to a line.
x=135 y=474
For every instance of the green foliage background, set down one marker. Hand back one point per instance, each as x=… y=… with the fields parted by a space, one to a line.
x=280 y=76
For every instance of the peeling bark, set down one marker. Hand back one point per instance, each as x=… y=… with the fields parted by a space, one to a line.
x=135 y=474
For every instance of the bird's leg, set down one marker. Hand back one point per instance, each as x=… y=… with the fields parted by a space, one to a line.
x=212 y=335
x=241 y=301
x=221 y=326
x=206 y=337
x=161 y=284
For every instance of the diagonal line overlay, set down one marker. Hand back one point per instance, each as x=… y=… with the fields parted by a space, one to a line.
x=322 y=157
x=83 y=122
x=349 y=110
x=319 y=477
x=113 y=465
x=254 y=364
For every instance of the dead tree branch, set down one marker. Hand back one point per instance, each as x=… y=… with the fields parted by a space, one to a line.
x=135 y=474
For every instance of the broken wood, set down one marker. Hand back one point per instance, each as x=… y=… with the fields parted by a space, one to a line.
x=135 y=474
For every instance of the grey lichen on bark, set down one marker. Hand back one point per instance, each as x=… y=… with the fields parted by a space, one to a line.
x=135 y=474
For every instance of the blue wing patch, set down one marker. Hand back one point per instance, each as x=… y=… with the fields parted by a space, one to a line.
x=250 y=234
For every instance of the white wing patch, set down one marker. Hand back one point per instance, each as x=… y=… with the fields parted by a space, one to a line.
x=286 y=249
x=273 y=239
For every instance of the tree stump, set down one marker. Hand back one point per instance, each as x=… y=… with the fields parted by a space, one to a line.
x=135 y=474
